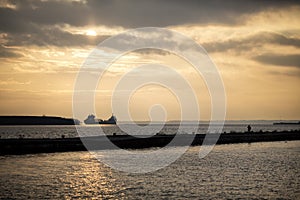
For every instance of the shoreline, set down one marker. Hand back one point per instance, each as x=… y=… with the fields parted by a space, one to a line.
x=34 y=146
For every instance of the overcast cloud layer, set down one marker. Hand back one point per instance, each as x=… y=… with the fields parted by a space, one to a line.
x=131 y=13
x=36 y=22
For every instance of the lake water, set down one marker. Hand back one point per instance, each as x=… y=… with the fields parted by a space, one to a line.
x=169 y=128
x=237 y=171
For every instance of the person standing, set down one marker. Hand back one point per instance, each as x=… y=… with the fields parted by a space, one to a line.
x=249 y=128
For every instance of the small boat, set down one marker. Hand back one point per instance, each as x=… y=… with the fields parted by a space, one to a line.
x=91 y=119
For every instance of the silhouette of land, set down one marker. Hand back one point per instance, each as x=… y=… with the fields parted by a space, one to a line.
x=286 y=123
x=30 y=146
x=36 y=120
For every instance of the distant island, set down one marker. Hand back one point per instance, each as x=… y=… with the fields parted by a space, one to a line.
x=37 y=120
x=287 y=123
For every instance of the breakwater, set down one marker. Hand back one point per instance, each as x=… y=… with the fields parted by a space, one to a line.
x=31 y=146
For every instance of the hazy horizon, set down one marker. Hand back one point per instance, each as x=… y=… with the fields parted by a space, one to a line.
x=172 y=121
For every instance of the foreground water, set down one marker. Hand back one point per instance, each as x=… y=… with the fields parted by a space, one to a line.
x=255 y=171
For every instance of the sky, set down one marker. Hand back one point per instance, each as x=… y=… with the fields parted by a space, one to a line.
x=255 y=45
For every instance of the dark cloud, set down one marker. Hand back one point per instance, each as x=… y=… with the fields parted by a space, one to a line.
x=131 y=13
x=36 y=22
x=291 y=73
x=51 y=36
x=252 y=42
x=8 y=52
x=147 y=51
x=279 y=60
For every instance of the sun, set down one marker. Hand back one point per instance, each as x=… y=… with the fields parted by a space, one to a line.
x=91 y=33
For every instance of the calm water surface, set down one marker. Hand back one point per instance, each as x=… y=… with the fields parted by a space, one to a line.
x=246 y=171
x=70 y=131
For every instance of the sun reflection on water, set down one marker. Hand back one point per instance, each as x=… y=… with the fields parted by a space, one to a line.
x=260 y=170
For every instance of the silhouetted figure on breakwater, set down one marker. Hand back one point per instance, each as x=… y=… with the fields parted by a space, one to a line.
x=249 y=128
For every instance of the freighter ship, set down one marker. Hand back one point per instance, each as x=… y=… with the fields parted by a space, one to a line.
x=91 y=119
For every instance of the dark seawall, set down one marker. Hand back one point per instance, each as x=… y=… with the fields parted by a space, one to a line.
x=31 y=146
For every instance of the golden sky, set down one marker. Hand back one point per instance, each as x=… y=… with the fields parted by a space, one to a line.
x=254 y=44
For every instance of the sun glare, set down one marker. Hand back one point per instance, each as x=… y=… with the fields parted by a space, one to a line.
x=91 y=33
